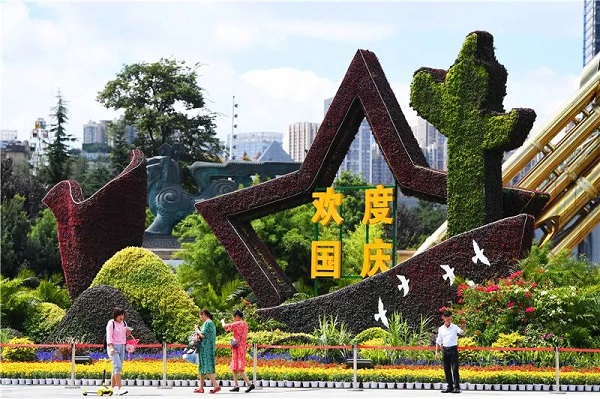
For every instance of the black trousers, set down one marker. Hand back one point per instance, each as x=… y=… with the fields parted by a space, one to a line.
x=450 y=358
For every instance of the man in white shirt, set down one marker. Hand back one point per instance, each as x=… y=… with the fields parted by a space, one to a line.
x=447 y=340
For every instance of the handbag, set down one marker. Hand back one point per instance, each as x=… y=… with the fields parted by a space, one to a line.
x=191 y=355
x=234 y=343
x=131 y=344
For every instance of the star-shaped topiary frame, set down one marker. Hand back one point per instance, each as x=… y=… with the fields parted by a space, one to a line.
x=364 y=92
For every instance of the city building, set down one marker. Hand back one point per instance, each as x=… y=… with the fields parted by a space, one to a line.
x=299 y=138
x=252 y=145
x=433 y=144
x=11 y=147
x=591 y=30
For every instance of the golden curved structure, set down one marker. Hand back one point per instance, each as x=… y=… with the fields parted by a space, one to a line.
x=565 y=154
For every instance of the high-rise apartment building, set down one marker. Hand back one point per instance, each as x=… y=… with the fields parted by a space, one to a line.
x=433 y=144
x=95 y=133
x=591 y=30
x=300 y=137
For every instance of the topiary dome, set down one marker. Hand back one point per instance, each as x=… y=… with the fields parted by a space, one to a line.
x=153 y=291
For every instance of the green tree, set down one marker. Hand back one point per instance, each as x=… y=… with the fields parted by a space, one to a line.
x=95 y=179
x=17 y=179
x=119 y=153
x=353 y=207
x=163 y=100
x=15 y=228
x=59 y=161
x=42 y=246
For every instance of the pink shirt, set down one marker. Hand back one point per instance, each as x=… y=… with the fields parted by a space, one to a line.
x=117 y=334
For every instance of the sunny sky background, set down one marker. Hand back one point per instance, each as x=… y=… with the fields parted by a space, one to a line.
x=280 y=59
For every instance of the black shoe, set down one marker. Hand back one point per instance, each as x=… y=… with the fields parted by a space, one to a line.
x=456 y=391
x=234 y=389
x=449 y=390
x=251 y=387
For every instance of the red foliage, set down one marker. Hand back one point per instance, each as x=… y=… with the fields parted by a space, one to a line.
x=92 y=230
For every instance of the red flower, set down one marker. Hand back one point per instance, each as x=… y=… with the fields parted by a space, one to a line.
x=510 y=304
x=530 y=310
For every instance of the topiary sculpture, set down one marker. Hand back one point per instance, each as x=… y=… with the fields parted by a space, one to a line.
x=465 y=105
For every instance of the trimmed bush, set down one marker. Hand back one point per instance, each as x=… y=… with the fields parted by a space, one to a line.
x=42 y=320
x=369 y=334
x=86 y=319
x=153 y=290
x=19 y=354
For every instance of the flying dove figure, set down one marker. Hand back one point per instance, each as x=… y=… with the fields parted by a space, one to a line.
x=403 y=286
x=381 y=315
x=479 y=255
x=449 y=273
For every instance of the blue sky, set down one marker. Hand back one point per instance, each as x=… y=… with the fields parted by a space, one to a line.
x=280 y=59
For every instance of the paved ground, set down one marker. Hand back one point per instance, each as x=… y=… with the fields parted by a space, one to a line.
x=51 y=391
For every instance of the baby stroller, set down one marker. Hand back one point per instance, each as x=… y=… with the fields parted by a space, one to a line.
x=190 y=353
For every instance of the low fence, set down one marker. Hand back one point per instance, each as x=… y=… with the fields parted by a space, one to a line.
x=354 y=362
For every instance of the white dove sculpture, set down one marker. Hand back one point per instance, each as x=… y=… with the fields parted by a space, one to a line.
x=449 y=273
x=381 y=314
x=403 y=286
x=479 y=255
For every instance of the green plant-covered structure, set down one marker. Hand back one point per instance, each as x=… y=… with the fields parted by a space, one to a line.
x=153 y=291
x=465 y=104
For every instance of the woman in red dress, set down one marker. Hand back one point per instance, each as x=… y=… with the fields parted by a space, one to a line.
x=239 y=328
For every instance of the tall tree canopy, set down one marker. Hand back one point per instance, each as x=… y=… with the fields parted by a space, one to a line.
x=165 y=103
x=58 y=160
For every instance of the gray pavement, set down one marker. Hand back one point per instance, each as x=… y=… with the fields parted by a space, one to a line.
x=51 y=391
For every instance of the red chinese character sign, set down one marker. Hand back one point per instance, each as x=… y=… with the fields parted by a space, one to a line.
x=365 y=92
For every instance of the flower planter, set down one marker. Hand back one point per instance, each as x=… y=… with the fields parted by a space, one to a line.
x=176 y=383
x=463 y=387
x=381 y=385
x=521 y=387
x=497 y=387
x=587 y=388
x=281 y=384
x=571 y=388
x=272 y=384
x=289 y=384
x=29 y=381
x=297 y=384
x=305 y=384
x=322 y=384
x=418 y=385
x=427 y=385
x=487 y=387
x=505 y=387
x=347 y=385
x=437 y=385
x=146 y=383
x=370 y=384
x=537 y=387
x=338 y=384
x=580 y=388
x=329 y=384
x=390 y=385
x=479 y=387
x=545 y=387
x=563 y=388
x=410 y=385
x=596 y=388
x=529 y=387
x=314 y=384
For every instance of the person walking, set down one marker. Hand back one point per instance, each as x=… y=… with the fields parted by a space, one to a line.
x=239 y=329
x=117 y=333
x=207 y=351
x=447 y=341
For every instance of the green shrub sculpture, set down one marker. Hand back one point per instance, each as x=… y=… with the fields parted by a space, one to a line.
x=153 y=291
x=42 y=320
x=465 y=105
